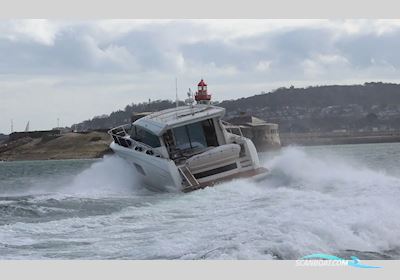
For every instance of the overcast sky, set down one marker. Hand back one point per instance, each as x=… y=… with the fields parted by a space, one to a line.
x=74 y=70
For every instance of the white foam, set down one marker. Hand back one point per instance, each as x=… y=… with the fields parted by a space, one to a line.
x=111 y=175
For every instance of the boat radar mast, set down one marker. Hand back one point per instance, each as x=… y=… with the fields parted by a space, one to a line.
x=202 y=97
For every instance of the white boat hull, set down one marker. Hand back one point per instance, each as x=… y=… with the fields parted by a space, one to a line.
x=159 y=174
x=153 y=172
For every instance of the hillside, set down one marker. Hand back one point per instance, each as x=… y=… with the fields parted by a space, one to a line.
x=3 y=137
x=371 y=106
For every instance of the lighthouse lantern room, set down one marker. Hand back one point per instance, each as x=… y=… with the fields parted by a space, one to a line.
x=202 y=97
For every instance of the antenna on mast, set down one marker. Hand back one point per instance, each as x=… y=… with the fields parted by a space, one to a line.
x=190 y=100
x=176 y=93
x=12 y=125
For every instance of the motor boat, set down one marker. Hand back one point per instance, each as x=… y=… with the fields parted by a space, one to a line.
x=187 y=147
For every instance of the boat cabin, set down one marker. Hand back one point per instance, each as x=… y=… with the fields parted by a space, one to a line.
x=180 y=135
x=187 y=140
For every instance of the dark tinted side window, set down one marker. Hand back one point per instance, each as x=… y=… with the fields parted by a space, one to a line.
x=210 y=134
x=144 y=136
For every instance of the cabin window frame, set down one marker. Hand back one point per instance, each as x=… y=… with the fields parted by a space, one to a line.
x=188 y=134
x=154 y=144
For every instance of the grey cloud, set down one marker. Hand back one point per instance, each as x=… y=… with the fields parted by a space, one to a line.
x=81 y=48
x=363 y=50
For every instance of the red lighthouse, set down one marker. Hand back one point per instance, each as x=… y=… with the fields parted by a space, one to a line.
x=202 y=97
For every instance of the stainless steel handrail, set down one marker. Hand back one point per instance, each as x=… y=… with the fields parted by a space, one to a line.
x=119 y=135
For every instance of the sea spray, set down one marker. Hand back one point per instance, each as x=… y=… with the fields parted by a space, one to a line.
x=326 y=170
x=109 y=176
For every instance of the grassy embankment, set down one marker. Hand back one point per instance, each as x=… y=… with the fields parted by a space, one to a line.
x=66 y=146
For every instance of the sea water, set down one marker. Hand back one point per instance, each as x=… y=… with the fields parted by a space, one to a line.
x=342 y=200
